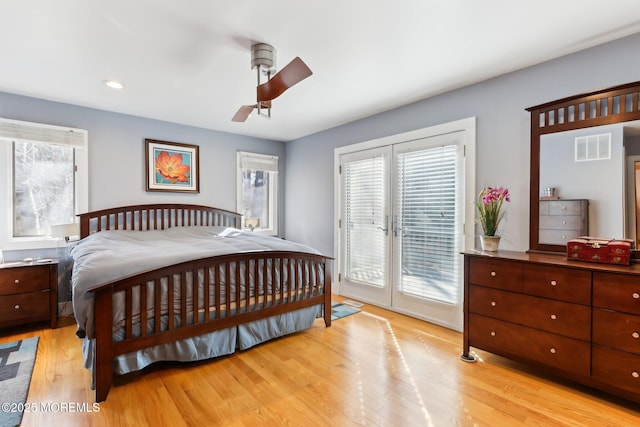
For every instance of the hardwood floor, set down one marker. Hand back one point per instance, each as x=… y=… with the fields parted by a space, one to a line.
x=374 y=368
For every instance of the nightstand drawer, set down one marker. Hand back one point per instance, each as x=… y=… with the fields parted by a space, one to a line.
x=19 y=308
x=24 y=279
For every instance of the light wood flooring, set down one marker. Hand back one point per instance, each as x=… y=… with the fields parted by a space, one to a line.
x=374 y=368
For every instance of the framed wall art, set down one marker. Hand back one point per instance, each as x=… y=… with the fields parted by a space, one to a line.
x=172 y=166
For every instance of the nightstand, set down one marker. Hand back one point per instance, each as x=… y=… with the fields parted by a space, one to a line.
x=28 y=293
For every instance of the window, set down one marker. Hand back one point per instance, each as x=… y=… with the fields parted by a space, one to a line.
x=257 y=192
x=46 y=169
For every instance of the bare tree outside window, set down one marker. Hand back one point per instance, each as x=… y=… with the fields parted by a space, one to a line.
x=43 y=187
x=255 y=196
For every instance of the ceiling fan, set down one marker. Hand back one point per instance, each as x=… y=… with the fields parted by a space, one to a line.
x=263 y=57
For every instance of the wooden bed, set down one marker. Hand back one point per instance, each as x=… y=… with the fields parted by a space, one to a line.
x=305 y=277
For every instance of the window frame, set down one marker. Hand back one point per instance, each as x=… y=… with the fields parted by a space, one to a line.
x=15 y=130
x=270 y=163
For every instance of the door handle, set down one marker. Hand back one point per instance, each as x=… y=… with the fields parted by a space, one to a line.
x=386 y=228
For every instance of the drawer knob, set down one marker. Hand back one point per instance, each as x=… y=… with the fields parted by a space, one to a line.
x=564 y=208
x=17 y=306
x=636 y=295
x=635 y=335
x=564 y=222
x=493 y=303
x=553 y=350
x=16 y=281
x=554 y=317
x=635 y=374
x=493 y=333
x=493 y=274
x=554 y=283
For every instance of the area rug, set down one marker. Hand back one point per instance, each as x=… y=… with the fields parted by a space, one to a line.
x=339 y=310
x=16 y=366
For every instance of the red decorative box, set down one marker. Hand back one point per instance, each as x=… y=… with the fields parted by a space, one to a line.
x=608 y=251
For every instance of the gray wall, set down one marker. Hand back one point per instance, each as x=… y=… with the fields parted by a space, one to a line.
x=502 y=136
x=117 y=162
x=116 y=153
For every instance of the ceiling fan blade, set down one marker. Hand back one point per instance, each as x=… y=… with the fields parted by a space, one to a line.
x=293 y=73
x=243 y=113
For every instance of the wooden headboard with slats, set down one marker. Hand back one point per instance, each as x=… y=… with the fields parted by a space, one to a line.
x=155 y=217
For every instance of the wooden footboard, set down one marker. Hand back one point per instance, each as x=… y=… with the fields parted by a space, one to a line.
x=202 y=296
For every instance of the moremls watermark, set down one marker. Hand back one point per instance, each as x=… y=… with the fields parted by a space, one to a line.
x=50 y=407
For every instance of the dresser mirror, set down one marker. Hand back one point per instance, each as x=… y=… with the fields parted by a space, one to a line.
x=583 y=154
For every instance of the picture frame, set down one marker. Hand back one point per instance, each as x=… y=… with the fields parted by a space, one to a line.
x=172 y=166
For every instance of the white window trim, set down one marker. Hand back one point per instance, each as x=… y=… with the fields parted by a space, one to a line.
x=15 y=130
x=246 y=160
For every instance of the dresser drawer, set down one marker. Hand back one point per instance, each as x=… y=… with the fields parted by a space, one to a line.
x=616 y=368
x=558 y=317
x=26 y=307
x=511 y=340
x=558 y=237
x=562 y=207
x=495 y=273
x=561 y=222
x=24 y=279
x=566 y=284
x=617 y=330
x=619 y=292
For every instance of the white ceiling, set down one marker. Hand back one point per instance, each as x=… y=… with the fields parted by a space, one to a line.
x=189 y=61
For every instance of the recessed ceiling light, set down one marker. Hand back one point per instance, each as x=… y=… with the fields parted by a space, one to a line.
x=114 y=84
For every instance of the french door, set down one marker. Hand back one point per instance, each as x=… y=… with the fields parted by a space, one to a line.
x=402 y=226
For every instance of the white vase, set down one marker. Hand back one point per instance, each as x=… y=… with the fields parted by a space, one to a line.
x=490 y=243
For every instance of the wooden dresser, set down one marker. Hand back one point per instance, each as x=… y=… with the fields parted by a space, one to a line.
x=28 y=293
x=562 y=220
x=575 y=319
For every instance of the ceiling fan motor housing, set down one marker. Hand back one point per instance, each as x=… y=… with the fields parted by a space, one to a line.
x=263 y=56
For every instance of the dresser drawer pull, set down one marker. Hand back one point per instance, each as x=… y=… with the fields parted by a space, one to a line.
x=636 y=295
x=493 y=303
x=493 y=333
x=493 y=274
x=17 y=306
x=16 y=281
x=635 y=335
x=554 y=283
x=554 y=317
x=553 y=350
x=635 y=374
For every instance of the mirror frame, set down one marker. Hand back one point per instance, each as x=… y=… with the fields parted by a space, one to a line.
x=615 y=104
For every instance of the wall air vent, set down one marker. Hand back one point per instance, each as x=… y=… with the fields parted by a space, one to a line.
x=593 y=147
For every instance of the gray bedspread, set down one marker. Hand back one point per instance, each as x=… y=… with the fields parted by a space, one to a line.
x=111 y=255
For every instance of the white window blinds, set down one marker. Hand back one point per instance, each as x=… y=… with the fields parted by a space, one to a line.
x=35 y=132
x=365 y=211
x=427 y=221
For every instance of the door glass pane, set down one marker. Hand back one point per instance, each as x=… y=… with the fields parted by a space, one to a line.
x=43 y=187
x=427 y=223
x=365 y=221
